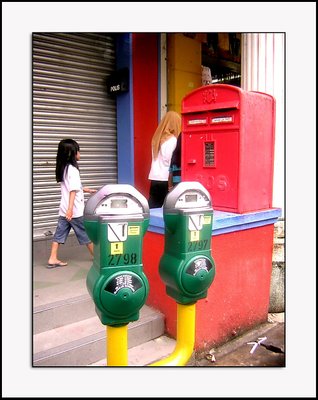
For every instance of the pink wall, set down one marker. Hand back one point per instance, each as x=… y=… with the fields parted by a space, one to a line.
x=145 y=89
x=238 y=298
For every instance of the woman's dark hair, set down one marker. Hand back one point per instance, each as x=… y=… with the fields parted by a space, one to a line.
x=66 y=154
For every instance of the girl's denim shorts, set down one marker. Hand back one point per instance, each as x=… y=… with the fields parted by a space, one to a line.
x=63 y=229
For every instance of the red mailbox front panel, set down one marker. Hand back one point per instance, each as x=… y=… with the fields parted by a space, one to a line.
x=212 y=159
x=227 y=145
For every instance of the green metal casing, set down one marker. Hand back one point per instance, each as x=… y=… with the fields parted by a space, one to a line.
x=187 y=266
x=116 y=281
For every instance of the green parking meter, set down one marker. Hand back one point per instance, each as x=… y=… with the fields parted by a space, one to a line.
x=116 y=219
x=186 y=266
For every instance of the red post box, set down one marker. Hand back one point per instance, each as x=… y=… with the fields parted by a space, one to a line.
x=228 y=145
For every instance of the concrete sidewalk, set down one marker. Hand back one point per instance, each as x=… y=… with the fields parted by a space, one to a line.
x=263 y=346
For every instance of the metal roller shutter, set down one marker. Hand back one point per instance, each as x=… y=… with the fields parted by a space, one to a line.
x=70 y=101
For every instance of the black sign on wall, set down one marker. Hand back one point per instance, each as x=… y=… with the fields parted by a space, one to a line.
x=118 y=81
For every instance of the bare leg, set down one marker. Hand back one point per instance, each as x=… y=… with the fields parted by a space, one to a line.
x=53 y=257
x=90 y=247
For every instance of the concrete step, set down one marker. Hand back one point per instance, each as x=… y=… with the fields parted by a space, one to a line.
x=279 y=250
x=146 y=353
x=84 y=342
x=61 y=305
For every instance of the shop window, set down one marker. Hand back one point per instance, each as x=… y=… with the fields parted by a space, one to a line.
x=221 y=54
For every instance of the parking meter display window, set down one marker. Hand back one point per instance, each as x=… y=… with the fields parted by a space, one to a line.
x=119 y=204
x=192 y=200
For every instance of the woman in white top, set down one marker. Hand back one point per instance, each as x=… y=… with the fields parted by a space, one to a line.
x=163 y=143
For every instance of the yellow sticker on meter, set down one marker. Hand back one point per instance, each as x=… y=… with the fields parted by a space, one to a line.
x=206 y=219
x=116 y=248
x=133 y=230
x=194 y=236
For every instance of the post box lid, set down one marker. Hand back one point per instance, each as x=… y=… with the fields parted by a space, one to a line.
x=218 y=96
x=212 y=97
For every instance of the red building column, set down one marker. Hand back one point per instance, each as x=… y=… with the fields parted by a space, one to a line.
x=145 y=102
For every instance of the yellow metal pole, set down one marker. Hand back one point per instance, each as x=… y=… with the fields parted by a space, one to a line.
x=185 y=337
x=117 y=345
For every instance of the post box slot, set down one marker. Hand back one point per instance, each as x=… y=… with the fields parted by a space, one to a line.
x=225 y=108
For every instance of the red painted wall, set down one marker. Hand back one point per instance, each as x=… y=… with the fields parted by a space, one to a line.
x=238 y=298
x=145 y=86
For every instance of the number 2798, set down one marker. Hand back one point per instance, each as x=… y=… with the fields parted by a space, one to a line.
x=126 y=259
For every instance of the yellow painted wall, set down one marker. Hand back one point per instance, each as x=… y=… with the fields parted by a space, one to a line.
x=184 y=68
